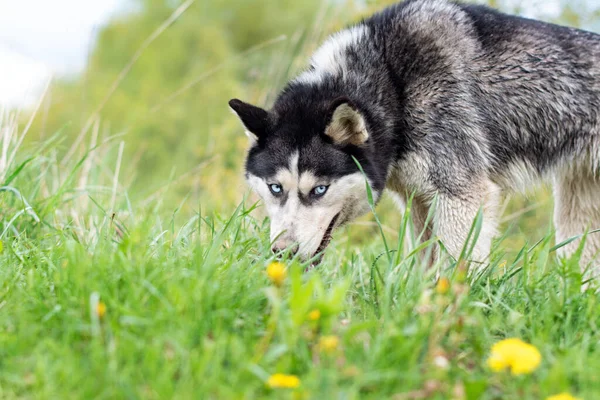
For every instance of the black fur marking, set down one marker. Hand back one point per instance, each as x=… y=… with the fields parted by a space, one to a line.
x=255 y=119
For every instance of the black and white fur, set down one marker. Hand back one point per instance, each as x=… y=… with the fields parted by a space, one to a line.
x=439 y=99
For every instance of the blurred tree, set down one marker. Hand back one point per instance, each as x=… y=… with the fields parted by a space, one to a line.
x=202 y=47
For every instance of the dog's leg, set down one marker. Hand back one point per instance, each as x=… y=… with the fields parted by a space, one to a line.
x=419 y=213
x=454 y=216
x=577 y=209
x=419 y=209
x=422 y=228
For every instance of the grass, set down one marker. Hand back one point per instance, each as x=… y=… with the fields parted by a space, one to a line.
x=105 y=295
x=102 y=296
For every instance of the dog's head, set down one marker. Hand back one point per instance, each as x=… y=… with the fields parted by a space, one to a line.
x=302 y=164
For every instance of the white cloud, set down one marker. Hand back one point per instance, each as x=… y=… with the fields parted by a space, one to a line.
x=42 y=37
x=21 y=78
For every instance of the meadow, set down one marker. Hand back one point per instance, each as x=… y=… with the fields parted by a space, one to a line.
x=146 y=303
x=113 y=288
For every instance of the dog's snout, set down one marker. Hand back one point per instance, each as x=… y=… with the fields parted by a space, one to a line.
x=282 y=245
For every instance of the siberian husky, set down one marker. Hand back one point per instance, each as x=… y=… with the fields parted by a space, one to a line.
x=441 y=100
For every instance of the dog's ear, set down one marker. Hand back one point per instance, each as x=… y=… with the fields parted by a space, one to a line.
x=347 y=125
x=255 y=119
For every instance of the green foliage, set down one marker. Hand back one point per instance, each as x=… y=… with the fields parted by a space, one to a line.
x=142 y=304
x=116 y=282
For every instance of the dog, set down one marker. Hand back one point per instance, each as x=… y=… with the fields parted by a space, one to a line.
x=434 y=100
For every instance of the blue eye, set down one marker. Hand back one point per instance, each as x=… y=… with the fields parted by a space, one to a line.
x=276 y=189
x=319 y=191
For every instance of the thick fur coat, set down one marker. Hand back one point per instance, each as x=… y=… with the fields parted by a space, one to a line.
x=444 y=100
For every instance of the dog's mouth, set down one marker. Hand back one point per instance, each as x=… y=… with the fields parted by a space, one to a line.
x=325 y=241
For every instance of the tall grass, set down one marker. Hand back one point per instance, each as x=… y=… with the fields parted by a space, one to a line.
x=105 y=297
x=104 y=294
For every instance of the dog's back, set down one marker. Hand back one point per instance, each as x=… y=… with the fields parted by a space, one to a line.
x=489 y=101
x=540 y=91
x=525 y=92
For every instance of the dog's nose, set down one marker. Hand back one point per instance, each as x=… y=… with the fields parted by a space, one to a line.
x=282 y=245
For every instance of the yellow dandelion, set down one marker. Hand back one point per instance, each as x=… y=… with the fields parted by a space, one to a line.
x=276 y=273
x=520 y=357
x=283 y=381
x=443 y=285
x=314 y=315
x=562 y=396
x=101 y=309
x=329 y=343
x=1 y=246
x=502 y=265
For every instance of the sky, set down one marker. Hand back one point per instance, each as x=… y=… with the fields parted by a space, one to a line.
x=56 y=39
x=43 y=38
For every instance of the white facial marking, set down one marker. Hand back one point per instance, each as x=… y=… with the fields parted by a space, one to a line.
x=288 y=177
x=294 y=164
x=307 y=182
x=296 y=218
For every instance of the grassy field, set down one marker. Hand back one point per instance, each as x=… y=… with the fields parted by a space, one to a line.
x=106 y=297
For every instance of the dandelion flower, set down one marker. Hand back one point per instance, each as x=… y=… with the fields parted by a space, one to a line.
x=314 y=315
x=283 y=381
x=1 y=246
x=329 y=343
x=562 y=396
x=101 y=309
x=518 y=356
x=442 y=286
x=276 y=273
